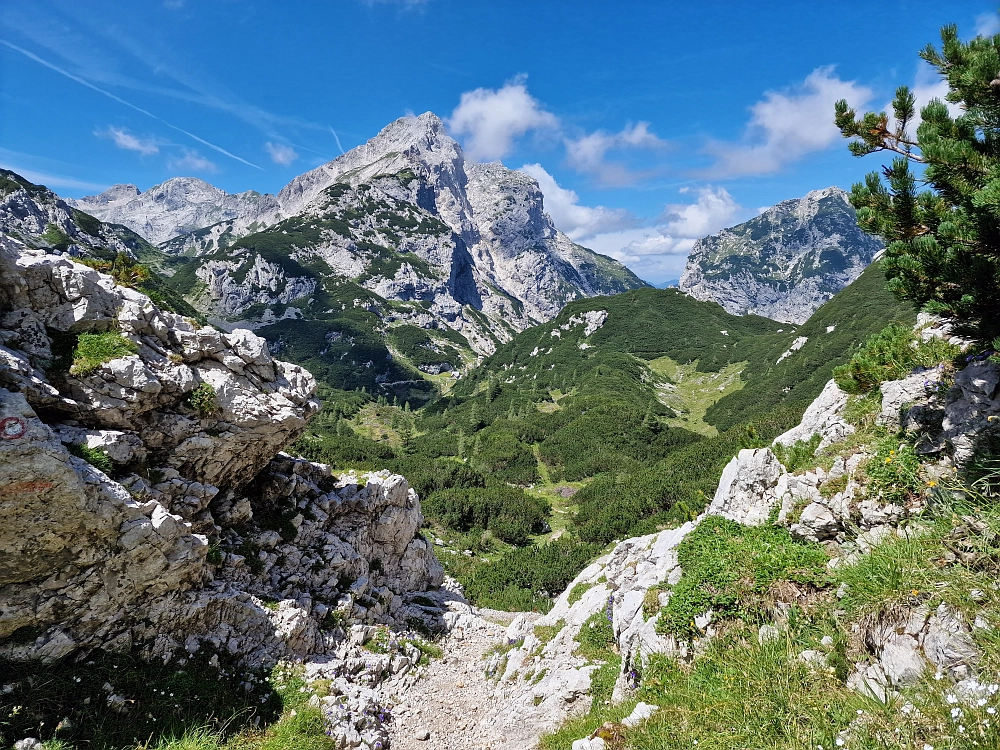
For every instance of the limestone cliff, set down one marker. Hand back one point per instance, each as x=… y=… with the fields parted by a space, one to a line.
x=784 y=263
x=143 y=498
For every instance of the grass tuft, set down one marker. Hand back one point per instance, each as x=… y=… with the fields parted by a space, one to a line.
x=94 y=349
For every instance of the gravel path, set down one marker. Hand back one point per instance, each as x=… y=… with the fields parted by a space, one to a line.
x=449 y=702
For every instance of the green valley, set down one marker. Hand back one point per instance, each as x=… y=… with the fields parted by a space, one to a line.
x=619 y=414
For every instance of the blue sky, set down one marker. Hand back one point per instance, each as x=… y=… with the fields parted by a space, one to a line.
x=647 y=124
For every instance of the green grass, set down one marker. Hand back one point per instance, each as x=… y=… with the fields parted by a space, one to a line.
x=596 y=639
x=730 y=569
x=576 y=593
x=545 y=633
x=95 y=349
x=891 y=354
x=800 y=455
x=94 y=456
x=690 y=393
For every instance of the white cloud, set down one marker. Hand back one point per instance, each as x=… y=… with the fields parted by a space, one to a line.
x=987 y=24
x=173 y=4
x=576 y=221
x=714 y=209
x=191 y=161
x=124 y=139
x=281 y=154
x=588 y=154
x=490 y=120
x=659 y=252
x=786 y=125
x=648 y=253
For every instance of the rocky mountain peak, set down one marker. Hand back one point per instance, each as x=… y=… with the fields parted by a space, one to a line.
x=176 y=206
x=417 y=143
x=784 y=263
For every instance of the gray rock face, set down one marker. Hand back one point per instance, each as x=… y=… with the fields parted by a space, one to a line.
x=821 y=417
x=177 y=206
x=747 y=490
x=615 y=587
x=786 y=262
x=190 y=420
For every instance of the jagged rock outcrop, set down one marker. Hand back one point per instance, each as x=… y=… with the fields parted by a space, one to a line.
x=466 y=246
x=178 y=206
x=191 y=525
x=784 y=263
x=834 y=507
x=822 y=417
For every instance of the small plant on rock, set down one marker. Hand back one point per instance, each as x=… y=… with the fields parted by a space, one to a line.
x=893 y=472
x=202 y=399
x=94 y=349
x=94 y=456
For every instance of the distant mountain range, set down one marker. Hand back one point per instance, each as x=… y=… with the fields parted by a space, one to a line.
x=403 y=226
x=784 y=263
x=400 y=260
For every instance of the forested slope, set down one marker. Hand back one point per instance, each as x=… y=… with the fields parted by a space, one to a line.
x=575 y=425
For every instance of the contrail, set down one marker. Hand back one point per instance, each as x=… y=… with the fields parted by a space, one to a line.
x=118 y=99
x=337 y=139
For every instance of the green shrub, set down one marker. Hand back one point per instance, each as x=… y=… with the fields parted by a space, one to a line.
x=729 y=569
x=509 y=513
x=94 y=349
x=893 y=472
x=527 y=578
x=891 y=354
x=96 y=457
x=801 y=455
x=202 y=399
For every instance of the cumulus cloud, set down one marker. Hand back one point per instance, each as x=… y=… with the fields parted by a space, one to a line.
x=281 y=154
x=659 y=252
x=786 y=125
x=714 y=209
x=489 y=121
x=987 y=24
x=191 y=161
x=124 y=139
x=588 y=153
x=576 y=221
x=655 y=249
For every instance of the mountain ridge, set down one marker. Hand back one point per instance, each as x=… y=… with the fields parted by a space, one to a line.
x=504 y=258
x=784 y=263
